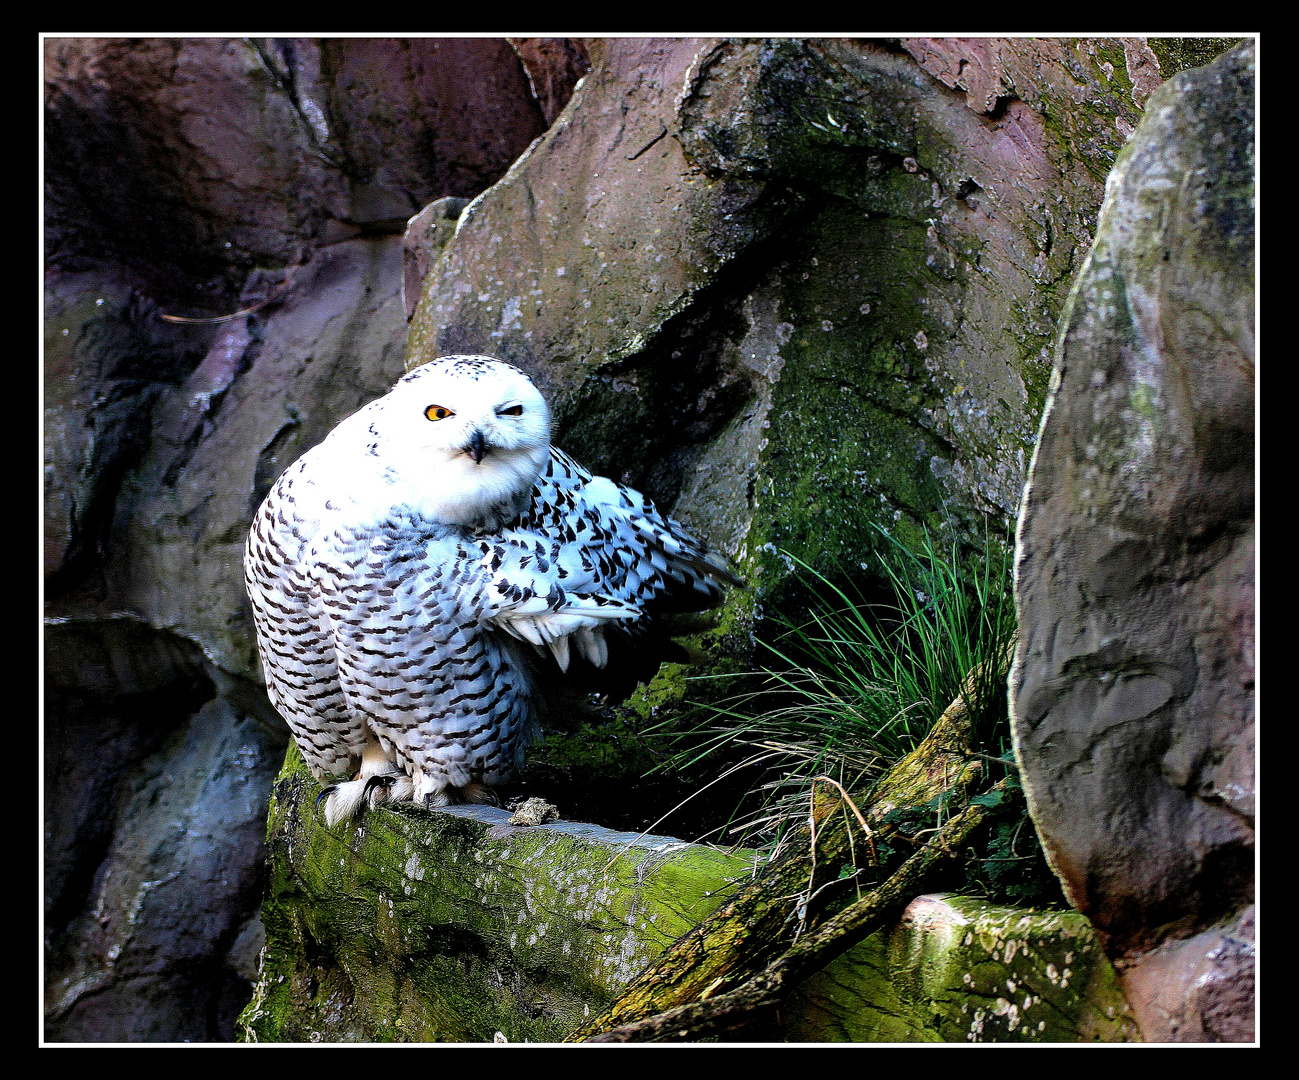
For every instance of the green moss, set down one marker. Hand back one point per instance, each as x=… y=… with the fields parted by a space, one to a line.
x=848 y=444
x=961 y=970
x=668 y=688
x=1109 y=51
x=419 y=926
x=1143 y=400
x=1179 y=54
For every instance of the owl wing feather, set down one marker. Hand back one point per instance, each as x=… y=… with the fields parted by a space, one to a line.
x=628 y=550
x=610 y=553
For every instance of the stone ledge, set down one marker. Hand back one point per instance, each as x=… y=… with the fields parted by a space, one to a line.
x=453 y=925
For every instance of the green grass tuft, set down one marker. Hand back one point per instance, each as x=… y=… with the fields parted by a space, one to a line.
x=851 y=685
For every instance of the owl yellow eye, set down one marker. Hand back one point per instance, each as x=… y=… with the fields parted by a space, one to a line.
x=513 y=410
x=438 y=412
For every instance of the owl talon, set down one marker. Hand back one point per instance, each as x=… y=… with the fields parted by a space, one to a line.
x=388 y=788
x=325 y=793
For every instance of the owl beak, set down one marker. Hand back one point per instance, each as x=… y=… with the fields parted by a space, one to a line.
x=476 y=447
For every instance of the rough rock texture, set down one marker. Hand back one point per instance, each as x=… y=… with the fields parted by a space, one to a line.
x=454 y=925
x=153 y=802
x=155 y=789
x=795 y=314
x=427 y=233
x=1133 y=689
x=192 y=161
x=957 y=969
x=197 y=178
x=808 y=313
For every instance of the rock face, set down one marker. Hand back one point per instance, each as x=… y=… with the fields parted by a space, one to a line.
x=199 y=178
x=193 y=161
x=171 y=553
x=786 y=316
x=155 y=809
x=786 y=313
x=795 y=318
x=1133 y=689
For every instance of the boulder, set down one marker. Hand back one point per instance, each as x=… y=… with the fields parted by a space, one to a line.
x=1133 y=688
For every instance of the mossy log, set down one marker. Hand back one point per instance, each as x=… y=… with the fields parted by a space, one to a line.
x=769 y=936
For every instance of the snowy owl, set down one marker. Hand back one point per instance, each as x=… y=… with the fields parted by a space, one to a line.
x=409 y=573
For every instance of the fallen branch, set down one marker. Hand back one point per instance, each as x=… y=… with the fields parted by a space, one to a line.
x=752 y=931
x=757 y=998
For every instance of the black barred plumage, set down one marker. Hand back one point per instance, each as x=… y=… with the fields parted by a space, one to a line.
x=404 y=572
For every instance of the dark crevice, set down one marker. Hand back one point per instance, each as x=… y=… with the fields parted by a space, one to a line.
x=1000 y=107
x=97 y=731
x=660 y=407
x=966 y=188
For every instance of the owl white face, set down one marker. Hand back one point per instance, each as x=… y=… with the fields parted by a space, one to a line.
x=461 y=439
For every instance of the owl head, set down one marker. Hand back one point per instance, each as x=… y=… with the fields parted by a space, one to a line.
x=461 y=439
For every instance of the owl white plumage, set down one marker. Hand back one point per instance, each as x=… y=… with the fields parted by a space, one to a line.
x=402 y=571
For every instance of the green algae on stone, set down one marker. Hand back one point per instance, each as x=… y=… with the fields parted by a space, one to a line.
x=1179 y=54
x=957 y=969
x=413 y=925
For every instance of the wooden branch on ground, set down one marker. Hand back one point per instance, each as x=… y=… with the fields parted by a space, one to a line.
x=757 y=998
x=752 y=932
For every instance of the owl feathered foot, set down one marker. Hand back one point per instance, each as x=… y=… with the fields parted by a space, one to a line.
x=342 y=801
x=480 y=794
x=379 y=781
x=348 y=800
